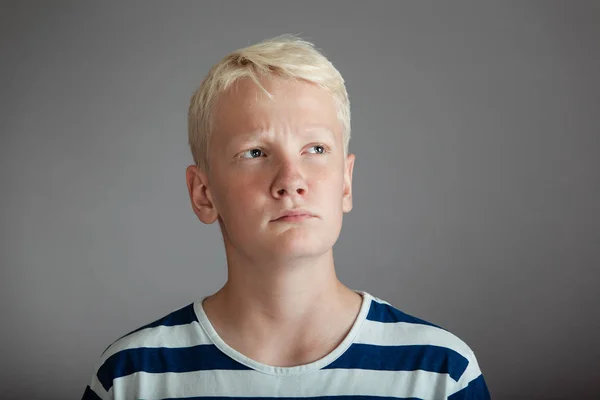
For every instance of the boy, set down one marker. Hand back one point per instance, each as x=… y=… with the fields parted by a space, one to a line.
x=269 y=130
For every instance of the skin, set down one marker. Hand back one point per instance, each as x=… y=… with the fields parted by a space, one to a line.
x=283 y=304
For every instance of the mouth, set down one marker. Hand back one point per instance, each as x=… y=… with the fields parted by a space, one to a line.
x=293 y=218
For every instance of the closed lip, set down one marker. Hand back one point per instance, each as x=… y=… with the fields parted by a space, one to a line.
x=296 y=212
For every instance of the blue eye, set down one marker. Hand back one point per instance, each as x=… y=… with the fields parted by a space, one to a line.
x=253 y=153
x=320 y=149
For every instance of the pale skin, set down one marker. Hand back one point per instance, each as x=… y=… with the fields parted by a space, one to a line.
x=283 y=304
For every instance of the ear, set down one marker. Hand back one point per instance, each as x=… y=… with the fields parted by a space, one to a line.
x=348 y=170
x=200 y=196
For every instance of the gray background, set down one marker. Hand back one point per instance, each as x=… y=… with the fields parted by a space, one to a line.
x=477 y=181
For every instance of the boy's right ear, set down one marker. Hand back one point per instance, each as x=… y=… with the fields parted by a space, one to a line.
x=200 y=196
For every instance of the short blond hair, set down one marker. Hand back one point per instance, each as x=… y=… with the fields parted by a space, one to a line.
x=284 y=56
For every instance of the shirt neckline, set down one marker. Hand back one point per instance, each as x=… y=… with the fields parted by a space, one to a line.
x=282 y=371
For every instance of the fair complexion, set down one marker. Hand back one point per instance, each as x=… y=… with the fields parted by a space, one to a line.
x=282 y=304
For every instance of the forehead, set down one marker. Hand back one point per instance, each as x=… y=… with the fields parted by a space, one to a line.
x=295 y=105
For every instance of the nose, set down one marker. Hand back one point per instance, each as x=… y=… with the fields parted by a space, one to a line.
x=288 y=181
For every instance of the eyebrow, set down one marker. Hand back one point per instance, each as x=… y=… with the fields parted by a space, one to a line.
x=261 y=134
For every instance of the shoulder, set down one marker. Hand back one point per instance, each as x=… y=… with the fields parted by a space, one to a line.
x=167 y=331
x=147 y=348
x=420 y=344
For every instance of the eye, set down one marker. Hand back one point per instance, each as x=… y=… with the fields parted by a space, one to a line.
x=252 y=153
x=318 y=149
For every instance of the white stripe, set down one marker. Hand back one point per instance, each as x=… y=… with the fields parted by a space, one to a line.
x=405 y=333
x=160 y=336
x=249 y=383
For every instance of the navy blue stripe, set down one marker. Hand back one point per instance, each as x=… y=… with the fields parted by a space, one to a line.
x=357 y=397
x=385 y=313
x=163 y=359
x=89 y=394
x=183 y=316
x=476 y=390
x=403 y=358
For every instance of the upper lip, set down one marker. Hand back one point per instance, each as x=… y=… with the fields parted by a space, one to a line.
x=295 y=212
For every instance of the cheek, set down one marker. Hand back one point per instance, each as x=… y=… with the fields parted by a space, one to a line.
x=329 y=184
x=241 y=194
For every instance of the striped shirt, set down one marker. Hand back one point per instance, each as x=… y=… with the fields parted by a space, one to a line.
x=386 y=355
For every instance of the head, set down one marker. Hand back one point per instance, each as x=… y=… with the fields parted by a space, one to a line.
x=269 y=128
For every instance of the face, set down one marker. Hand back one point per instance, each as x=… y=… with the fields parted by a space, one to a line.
x=270 y=158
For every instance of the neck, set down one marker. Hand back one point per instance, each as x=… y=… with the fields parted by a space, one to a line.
x=276 y=302
x=281 y=292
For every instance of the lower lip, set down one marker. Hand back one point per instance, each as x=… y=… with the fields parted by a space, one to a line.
x=293 y=218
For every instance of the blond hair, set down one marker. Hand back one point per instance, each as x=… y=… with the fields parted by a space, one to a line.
x=284 y=56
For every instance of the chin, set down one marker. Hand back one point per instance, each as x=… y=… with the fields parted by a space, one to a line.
x=302 y=244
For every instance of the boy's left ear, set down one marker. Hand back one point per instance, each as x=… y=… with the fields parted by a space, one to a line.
x=348 y=170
